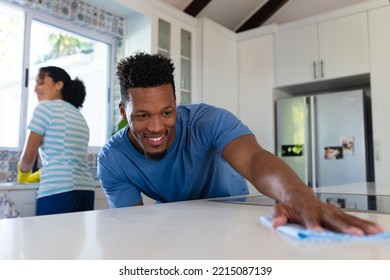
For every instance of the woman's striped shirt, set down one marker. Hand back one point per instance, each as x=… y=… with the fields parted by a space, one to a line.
x=64 y=147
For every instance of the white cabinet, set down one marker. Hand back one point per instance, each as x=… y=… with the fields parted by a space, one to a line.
x=330 y=49
x=255 y=87
x=219 y=60
x=100 y=199
x=255 y=84
x=21 y=201
x=296 y=55
x=176 y=40
x=102 y=203
x=344 y=46
x=379 y=22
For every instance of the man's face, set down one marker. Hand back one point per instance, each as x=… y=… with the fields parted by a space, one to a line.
x=151 y=113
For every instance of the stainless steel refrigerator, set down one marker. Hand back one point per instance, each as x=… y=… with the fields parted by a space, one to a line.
x=326 y=138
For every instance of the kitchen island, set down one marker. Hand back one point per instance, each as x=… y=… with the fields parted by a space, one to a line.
x=199 y=229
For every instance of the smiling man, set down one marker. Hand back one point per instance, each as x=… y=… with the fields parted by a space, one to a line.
x=152 y=127
x=175 y=153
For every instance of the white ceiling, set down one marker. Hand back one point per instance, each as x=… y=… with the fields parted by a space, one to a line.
x=233 y=13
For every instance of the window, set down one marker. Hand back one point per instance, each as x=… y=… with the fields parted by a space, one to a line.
x=83 y=58
x=11 y=65
x=81 y=53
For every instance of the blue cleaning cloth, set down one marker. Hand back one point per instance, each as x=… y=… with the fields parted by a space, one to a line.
x=299 y=232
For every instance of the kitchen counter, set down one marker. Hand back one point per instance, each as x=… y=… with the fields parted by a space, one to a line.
x=23 y=197
x=8 y=186
x=199 y=229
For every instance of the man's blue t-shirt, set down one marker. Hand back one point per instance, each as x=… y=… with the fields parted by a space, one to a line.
x=193 y=167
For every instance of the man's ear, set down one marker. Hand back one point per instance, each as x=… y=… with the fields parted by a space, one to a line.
x=122 y=110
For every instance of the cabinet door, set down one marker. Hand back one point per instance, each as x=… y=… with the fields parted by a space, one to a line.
x=164 y=38
x=296 y=56
x=185 y=66
x=175 y=40
x=344 y=46
x=219 y=60
x=380 y=89
x=333 y=49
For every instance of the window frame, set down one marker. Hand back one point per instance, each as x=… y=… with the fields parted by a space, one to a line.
x=30 y=16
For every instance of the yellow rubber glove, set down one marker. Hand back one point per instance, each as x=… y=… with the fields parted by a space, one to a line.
x=27 y=177
x=23 y=176
x=35 y=177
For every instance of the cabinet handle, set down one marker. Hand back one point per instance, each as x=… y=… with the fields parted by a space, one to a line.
x=322 y=68
x=314 y=70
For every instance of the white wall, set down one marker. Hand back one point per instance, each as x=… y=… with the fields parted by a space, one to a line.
x=138 y=34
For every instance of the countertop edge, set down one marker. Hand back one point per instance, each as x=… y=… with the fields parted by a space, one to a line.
x=10 y=186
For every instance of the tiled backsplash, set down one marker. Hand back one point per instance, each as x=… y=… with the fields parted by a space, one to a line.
x=80 y=13
x=9 y=165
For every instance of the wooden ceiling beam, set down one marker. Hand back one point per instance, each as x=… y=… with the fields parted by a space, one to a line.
x=194 y=8
x=262 y=15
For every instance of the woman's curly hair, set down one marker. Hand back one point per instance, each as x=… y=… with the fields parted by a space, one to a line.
x=73 y=91
x=144 y=70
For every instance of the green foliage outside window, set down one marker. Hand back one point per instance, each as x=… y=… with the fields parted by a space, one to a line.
x=64 y=45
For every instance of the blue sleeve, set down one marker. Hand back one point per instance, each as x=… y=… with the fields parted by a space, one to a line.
x=119 y=191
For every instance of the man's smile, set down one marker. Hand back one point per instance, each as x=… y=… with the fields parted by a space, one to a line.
x=155 y=141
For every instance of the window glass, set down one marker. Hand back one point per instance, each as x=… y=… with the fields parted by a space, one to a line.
x=81 y=57
x=47 y=41
x=11 y=75
x=164 y=38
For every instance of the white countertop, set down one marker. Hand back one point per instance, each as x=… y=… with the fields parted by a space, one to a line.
x=198 y=229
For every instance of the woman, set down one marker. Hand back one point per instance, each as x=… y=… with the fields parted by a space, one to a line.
x=60 y=133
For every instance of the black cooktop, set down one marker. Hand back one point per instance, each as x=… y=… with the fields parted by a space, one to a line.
x=348 y=202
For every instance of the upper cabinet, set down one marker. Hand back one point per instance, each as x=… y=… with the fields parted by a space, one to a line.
x=331 y=49
x=175 y=39
x=296 y=55
x=344 y=47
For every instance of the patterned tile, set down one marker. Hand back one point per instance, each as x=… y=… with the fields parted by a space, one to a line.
x=4 y=165
x=79 y=12
x=12 y=175
x=4 y=154
x=9 y=165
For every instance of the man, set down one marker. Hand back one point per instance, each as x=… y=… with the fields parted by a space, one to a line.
x=175 y=153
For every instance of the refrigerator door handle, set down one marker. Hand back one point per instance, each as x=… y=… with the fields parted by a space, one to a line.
x=307 y=149
x=312 y=141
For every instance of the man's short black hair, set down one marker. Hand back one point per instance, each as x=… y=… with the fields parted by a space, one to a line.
x=144 y=70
